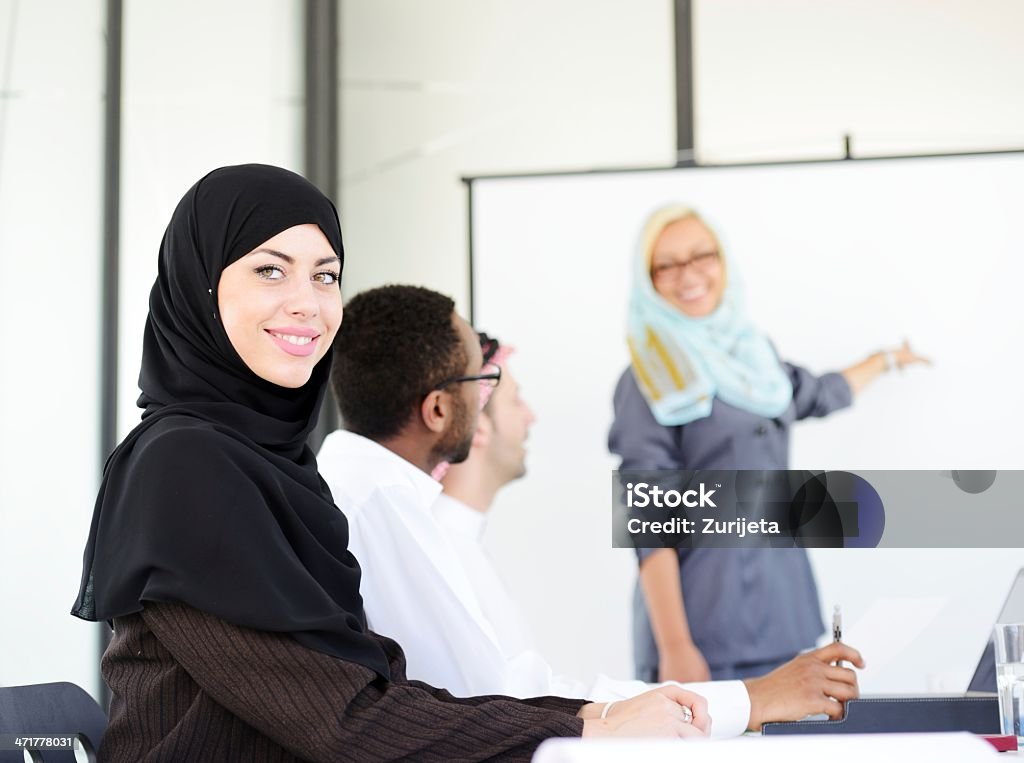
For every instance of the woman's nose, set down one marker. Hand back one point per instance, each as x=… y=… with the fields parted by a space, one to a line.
x=691 y=277
x=302 y=300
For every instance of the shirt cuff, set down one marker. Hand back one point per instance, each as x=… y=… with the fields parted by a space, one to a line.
x=728 y=706
x=728 y=701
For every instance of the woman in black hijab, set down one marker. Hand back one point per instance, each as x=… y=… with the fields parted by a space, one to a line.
x=215 y=548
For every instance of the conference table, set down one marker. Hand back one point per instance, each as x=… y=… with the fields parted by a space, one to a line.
x=953 y=747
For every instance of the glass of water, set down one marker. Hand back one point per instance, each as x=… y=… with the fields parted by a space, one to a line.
x=1009 y=642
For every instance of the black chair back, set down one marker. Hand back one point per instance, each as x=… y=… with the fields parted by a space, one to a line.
x=49 y=709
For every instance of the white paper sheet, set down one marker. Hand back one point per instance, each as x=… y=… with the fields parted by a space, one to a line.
x=826 y=748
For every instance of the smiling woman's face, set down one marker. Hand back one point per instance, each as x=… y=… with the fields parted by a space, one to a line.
x=686 y=267
x=281 y=304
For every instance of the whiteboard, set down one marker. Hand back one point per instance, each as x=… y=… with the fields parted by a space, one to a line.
x=839 y=259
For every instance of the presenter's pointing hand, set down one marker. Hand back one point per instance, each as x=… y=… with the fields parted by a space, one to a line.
x=903 y=356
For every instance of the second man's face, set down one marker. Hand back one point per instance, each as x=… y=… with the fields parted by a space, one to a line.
x=511 y=419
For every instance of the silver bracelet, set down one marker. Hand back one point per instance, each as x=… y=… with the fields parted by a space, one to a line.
x=607 y=707
x=890 y=361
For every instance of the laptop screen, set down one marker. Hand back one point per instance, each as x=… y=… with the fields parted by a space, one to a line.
x=1013 y=612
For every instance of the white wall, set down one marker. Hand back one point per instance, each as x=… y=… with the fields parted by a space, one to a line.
x=51 y=107
x=434 y=91
x=788 y=78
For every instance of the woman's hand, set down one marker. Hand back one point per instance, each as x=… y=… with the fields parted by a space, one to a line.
x=656 y=713
x=683 y=663
x=862 y=374
x=903 y=356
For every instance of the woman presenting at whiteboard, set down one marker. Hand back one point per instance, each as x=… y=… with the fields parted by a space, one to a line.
x=705 y=390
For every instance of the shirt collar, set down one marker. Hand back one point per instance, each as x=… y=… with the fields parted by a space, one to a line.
x=369 y=465
x=460 y=517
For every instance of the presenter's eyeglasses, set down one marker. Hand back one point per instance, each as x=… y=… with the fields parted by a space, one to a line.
x=489 y=347
x=703 y=262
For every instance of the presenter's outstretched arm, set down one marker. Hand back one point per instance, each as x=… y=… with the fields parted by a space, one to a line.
x=860 y=375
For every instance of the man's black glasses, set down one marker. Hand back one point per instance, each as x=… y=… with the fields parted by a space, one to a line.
x=489 y=347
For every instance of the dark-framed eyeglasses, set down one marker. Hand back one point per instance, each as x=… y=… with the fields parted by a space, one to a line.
x=703 y=262
x=489 y=347
x=492 y=378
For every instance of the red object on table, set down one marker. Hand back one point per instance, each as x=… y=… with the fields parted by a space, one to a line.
x=1000 y=742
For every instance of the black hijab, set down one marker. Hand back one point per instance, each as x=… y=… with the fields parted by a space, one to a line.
x=214 y=499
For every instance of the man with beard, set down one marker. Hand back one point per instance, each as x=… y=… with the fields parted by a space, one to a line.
x=407 y=376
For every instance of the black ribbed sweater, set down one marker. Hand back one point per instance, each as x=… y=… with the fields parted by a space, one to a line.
x=187 y=686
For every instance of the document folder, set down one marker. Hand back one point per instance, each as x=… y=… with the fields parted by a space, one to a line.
x=895 y=713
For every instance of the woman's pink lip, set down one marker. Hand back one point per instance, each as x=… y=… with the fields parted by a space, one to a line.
x=301 y=350
x=295 y=331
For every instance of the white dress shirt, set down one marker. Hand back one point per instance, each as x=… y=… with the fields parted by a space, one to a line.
x=428 y=583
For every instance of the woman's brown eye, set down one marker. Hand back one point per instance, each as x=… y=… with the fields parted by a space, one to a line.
x=269 y=272
x=328 y=277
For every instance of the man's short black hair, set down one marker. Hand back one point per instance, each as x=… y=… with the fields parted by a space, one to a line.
x=396 y=343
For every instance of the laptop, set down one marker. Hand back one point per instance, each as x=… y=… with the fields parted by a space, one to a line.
x=984 y=679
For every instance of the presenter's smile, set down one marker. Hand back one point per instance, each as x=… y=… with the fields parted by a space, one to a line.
x=692 y=294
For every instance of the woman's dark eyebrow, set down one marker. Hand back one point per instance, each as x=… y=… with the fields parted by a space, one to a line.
x=291 y=260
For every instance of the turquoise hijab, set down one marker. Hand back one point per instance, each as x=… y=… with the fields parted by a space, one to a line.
x=681 y=363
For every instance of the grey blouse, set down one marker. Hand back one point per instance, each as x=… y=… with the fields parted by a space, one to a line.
x=744 y=606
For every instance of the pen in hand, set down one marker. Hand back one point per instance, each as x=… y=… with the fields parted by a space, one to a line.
x=837 y=629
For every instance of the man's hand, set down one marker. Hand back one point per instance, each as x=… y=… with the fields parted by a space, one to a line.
x=805 y=685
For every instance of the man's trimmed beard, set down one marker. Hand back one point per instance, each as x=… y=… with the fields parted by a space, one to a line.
x=457 y=439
